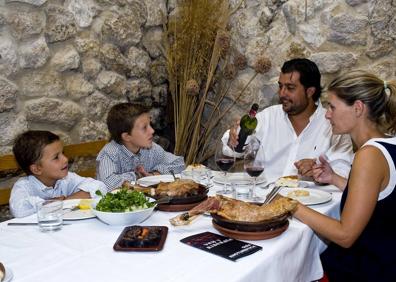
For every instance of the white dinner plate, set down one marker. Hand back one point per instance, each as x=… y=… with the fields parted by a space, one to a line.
x=155 y=179
x=238 y=178
x=8 y=274
x=77 y=214
x=315 y=197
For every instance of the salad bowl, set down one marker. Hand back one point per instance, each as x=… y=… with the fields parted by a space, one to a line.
x=129 y=216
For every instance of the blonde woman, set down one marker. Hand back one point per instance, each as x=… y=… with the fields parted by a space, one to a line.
x=363 y=244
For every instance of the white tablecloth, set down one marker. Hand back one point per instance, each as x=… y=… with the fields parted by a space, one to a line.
x=83 y=251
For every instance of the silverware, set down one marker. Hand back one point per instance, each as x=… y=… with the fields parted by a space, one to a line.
x=74 y=208
x=266 y=186
x=164 y=200
x=27 y=223
x=271 y=195
x=173 y=174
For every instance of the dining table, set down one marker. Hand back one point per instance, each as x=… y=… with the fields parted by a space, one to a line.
x=83 y=251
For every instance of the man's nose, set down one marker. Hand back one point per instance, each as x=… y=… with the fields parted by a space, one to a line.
x=281 y=91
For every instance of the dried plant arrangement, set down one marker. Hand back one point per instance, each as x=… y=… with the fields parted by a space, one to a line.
x=201 y=64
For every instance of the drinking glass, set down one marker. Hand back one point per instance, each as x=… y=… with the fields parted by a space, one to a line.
x=225 y=160
x=253 y=165
x=50 y=215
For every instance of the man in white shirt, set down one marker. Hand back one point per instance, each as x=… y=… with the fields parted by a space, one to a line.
x=295 y=133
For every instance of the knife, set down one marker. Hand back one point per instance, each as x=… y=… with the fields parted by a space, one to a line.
x=28 y=223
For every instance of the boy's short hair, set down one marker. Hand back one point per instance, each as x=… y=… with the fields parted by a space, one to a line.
x=121 y=118
x=28 y=147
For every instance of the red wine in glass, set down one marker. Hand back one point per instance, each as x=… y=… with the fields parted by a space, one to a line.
x=225 y=164
x=254 y=171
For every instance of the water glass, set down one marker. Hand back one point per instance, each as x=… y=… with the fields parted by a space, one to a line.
x=187 y=174
x=242 y=192
x=50 y=215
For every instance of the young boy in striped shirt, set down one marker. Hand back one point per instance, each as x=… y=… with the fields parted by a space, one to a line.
x=131 y=153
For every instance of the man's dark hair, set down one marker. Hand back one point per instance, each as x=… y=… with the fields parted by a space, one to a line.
x=309 y=74
x=28 y=147
x=122 y=117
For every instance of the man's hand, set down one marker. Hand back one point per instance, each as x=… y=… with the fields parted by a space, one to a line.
x=305 y=167
x=233 y=135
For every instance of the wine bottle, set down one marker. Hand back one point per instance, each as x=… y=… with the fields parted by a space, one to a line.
x=248 y=125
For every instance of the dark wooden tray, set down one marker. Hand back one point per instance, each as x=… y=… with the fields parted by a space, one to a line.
x=131 y=238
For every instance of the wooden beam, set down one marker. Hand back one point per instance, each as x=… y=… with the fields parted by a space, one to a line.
x=84 y=149
x=88 y=149
x=4 y=195
x=8 y=162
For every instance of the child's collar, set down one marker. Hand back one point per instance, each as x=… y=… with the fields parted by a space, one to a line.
x=41 y=184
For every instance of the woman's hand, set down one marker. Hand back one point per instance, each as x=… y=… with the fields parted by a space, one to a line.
x=323 y=173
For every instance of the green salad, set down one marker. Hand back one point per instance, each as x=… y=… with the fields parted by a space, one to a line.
x=123 y=200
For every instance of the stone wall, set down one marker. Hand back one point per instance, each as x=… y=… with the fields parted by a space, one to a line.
x=64 y=63
x=339 y=35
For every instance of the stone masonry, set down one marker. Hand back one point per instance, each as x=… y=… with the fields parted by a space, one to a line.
x=64 y=63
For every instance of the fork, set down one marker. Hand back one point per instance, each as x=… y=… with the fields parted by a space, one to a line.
x=271 y=195
x=73 y=208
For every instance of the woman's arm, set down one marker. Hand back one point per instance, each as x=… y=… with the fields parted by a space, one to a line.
x=369 y=175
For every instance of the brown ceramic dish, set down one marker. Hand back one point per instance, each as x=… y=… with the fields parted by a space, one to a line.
x=179 y=207
x=202 y=194
x=141 y=238
x=246 y=235
x=260 y=226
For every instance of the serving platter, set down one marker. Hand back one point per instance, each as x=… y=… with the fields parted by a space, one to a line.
x=248 y=235
x=245 y=226
x=175 y=203
x=178 y=207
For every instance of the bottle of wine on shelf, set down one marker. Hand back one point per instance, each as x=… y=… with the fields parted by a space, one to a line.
x=248 y=124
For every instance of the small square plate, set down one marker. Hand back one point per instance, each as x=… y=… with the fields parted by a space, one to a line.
x=141 y=238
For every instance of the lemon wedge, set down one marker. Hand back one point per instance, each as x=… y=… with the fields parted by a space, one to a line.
x=85 y=204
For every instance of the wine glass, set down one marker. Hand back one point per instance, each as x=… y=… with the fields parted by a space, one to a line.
x=254 y=165
x=225 y=159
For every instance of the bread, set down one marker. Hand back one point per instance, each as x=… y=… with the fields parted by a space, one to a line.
x=298 y=193
x=192 y=167
x=2 y=272
x=288 y=181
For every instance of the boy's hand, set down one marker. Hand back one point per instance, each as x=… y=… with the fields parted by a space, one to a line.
x=141 y=172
